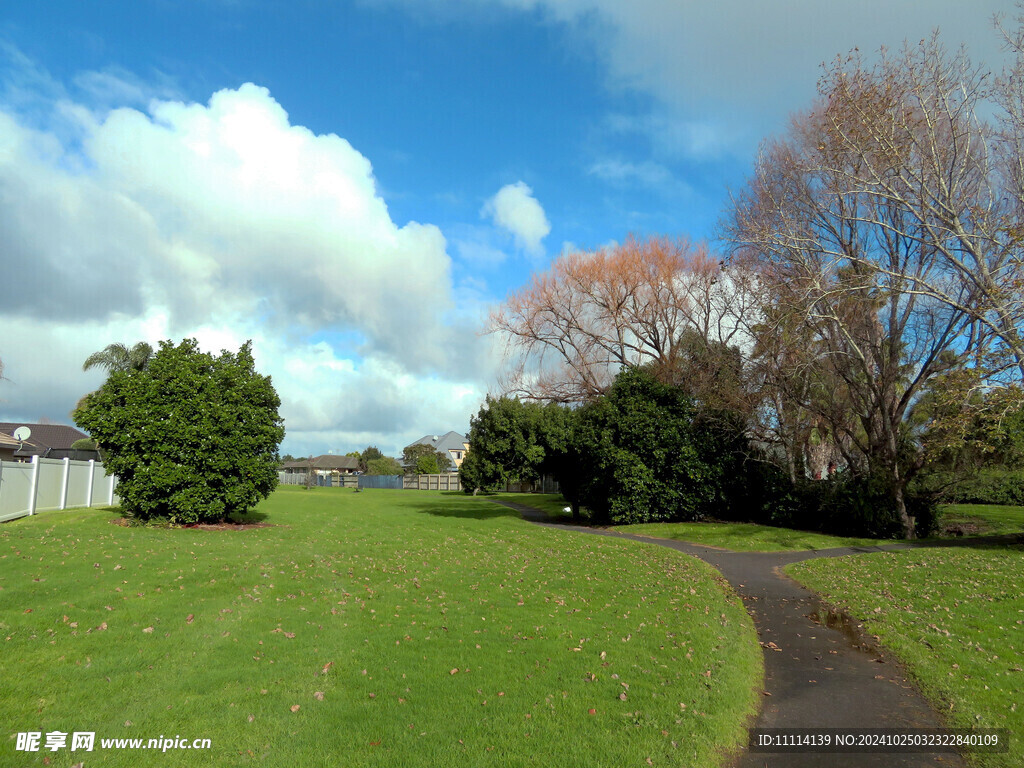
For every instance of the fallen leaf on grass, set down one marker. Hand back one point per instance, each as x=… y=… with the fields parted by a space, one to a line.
x=189 y=618
x=318 y=695
x=295 y=707
x=148 y=630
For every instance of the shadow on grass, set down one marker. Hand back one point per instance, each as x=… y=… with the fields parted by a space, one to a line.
x=1008 y=541
x=251 y=517
x=467 y=507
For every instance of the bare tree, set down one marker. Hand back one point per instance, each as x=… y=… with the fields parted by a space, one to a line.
x=878 y=231
x=908 y=137
x=572 y=328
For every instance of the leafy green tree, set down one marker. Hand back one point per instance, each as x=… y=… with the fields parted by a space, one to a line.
x=191 y=437
x=643 y=456
x=370 y=453
x=514 y=441
x=422 y=459
x=385 y=465
x=120 y=357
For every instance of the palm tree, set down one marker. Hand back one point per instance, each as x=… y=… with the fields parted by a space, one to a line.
x=118 y=357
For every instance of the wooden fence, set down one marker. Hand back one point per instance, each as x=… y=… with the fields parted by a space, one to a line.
x=445 y=482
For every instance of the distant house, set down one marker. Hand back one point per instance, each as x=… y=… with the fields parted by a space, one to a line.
x=346 y=465
x=8 y=446
x=454 y=444
x=47 y=441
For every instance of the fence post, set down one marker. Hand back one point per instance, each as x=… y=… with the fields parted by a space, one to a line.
x=110 y=496
x=92 y=472
x=33 y=487
x=64 y=483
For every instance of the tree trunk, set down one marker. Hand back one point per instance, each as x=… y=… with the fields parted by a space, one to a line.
x=908 y=522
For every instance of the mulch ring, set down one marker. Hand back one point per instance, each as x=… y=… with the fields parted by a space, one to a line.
x=226 y=526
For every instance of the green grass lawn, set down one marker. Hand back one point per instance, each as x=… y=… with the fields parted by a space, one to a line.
x=954 y=616
x=381 y=628
x=741 y=537
x=745 y=537
x=550 y=503
x=972 y=519
x=984 y=519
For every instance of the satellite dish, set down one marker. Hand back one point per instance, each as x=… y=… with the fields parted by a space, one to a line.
x=22 y=434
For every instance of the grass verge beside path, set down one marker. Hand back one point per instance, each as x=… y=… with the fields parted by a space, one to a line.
x=983 y=519
x=552 y=504
x=954 y=616
x=745 y=537
x=380 y=628
x=740 y=537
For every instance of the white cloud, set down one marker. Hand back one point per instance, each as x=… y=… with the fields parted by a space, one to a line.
x=225 y=222
x=647 y=173
x=516 y=210
x=202 y=208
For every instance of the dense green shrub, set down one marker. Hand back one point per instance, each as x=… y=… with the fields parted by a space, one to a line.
x=846 y=505
x=989 y=486
x=511 y=441
x=191 y=437
x=384 y=465
x=645 y=456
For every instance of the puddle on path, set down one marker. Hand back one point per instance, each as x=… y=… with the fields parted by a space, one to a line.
x=843 y=623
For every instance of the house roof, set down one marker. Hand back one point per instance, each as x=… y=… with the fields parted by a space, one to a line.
x=326 y=461
x=453 y=441
x=45 y=438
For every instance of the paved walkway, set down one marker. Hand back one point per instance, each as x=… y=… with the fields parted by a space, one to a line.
x=821 y=671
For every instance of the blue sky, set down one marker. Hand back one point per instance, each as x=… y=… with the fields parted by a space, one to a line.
x=353 y=184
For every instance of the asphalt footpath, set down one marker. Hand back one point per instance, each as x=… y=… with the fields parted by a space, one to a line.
x=821 y=669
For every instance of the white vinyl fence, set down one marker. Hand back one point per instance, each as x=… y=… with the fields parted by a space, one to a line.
x=47 y=484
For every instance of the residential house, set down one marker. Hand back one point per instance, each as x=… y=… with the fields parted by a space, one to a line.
x=454 y=444
x=8 y=447
x=48 y=441
x=325 y=465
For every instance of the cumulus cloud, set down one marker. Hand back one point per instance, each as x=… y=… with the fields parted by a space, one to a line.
x=201 y=208
x=516 y=210
x=226 y=222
